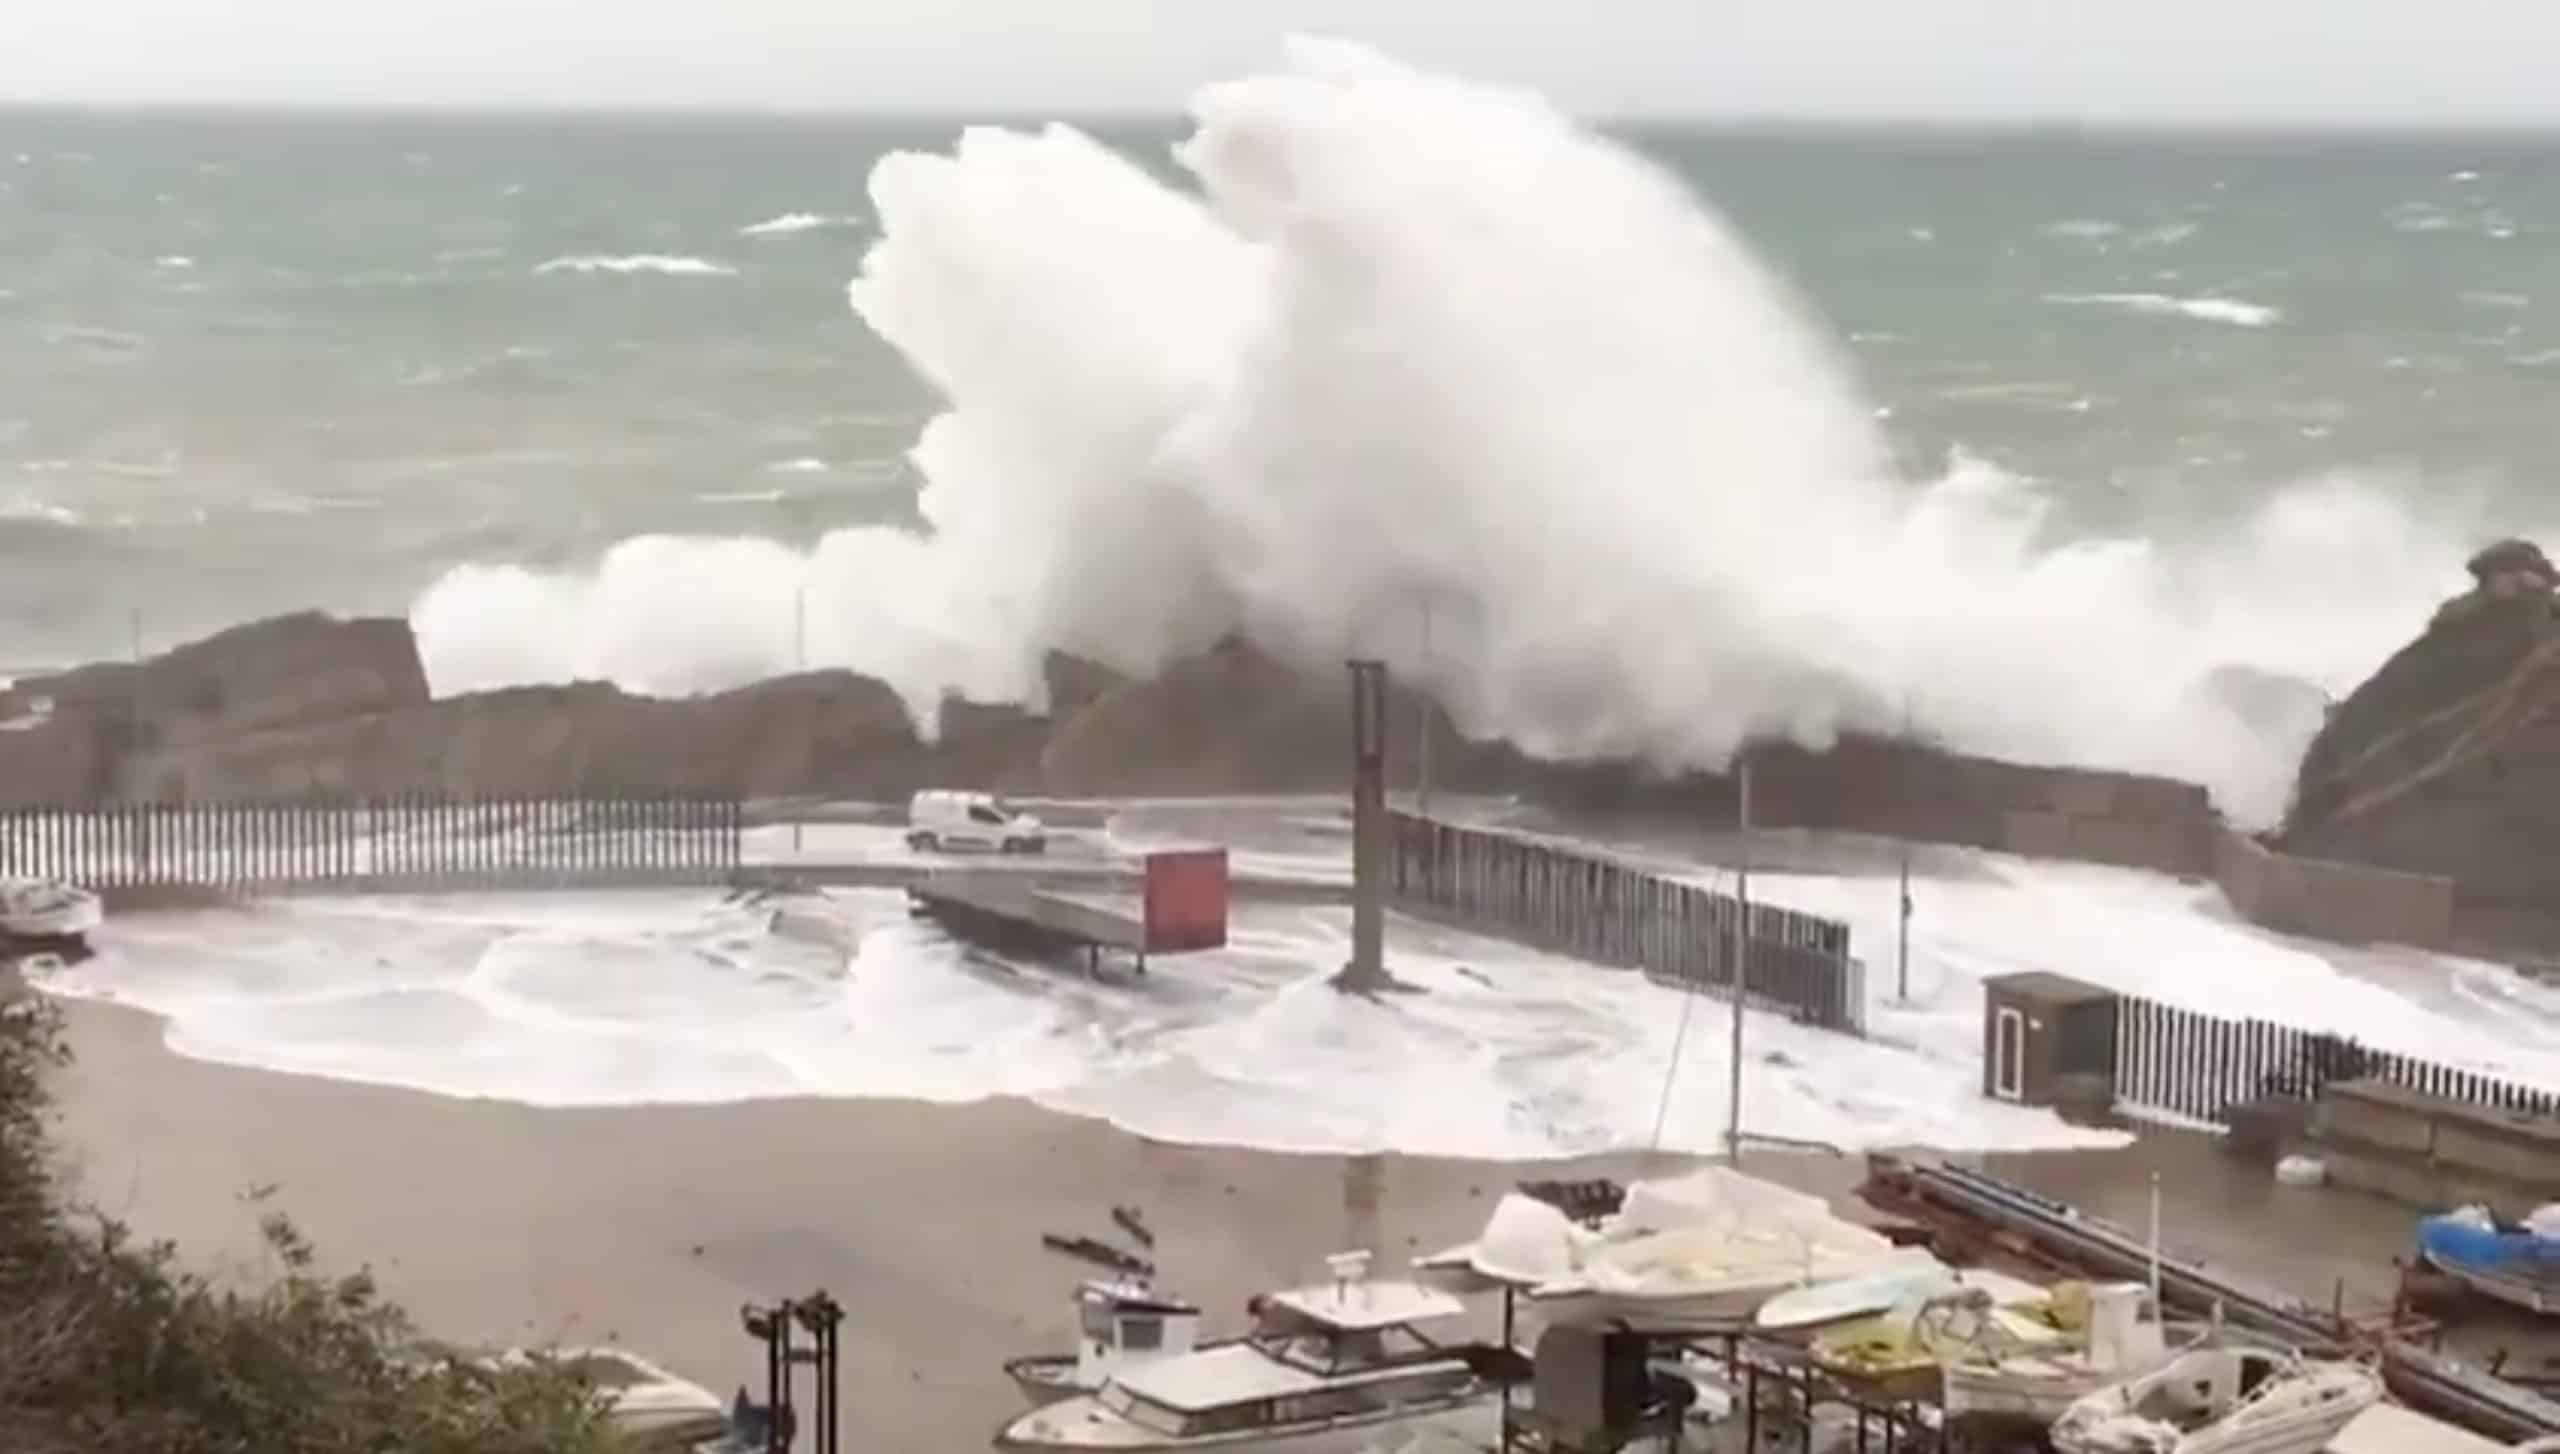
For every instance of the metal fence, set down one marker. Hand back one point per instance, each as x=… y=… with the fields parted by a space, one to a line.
x=388 y=842
x=1595 y=909
x=2199 y=1066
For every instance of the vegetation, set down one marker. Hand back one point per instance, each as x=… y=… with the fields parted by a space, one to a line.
x=108 y=1347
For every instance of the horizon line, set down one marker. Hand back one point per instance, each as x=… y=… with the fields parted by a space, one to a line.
x=1940 y=123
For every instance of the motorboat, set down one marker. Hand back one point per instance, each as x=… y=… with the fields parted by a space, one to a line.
x=1326 y=1370
x=1915 y=1275
x=2222 y=1399
x=1120 y=1324
x=646 y=1406
x=2514 y=1263
x=1695 y=1253
x=47 y=909
x=2112 y=1332
x=1899 y=1354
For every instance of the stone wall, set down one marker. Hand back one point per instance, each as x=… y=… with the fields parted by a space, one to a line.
x=2347 y=902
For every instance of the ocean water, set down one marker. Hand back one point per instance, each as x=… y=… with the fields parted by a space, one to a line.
x=251 y=363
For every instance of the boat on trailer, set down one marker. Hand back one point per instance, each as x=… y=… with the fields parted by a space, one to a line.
x=1326 y=1370
x=2514 y=1263
x=1121 y=1323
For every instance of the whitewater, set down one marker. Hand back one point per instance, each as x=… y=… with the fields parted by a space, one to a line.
x=1411 y=347
x=672 y=997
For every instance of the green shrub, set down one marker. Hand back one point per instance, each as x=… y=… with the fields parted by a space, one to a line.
x=108 y=1347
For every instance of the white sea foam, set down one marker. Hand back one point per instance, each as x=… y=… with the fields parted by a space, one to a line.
x=1416 y=341
x=174 y=261
x=688 y=267
x=2083 y=229
x=2485 y=299
x=2238 y=312
x=794 y=222
x=598 y=999
x=804 y=465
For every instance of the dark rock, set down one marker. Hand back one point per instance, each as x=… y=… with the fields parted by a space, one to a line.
x=2443 y=761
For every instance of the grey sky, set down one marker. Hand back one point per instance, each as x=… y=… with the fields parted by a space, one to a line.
x=2152 y=60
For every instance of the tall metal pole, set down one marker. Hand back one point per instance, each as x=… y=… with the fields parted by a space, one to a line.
x=799 y=662
x=1741 y=961
x=1902 y=944
x=1367 y=972
x=1422 y=798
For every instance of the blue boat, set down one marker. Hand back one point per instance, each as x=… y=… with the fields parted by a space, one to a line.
x=2502 y=1260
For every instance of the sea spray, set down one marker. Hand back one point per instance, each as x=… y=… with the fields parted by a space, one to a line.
x=1417 y=346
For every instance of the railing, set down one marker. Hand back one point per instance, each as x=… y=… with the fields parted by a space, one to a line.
x=1594 y=909
x=2198 y=1066
x=424 y=842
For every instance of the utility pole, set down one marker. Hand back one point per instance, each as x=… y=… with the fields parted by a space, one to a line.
x=1741 y=959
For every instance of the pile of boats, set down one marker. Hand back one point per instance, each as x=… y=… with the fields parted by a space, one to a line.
x=1691 y=1263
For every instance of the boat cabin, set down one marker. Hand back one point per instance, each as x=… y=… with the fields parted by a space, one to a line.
x=1348 y=1352
x=1122 y=1323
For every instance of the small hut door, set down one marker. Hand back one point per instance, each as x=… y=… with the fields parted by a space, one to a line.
x=2008 y=1053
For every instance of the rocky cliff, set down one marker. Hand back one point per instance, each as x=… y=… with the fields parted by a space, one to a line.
x=2441 y=763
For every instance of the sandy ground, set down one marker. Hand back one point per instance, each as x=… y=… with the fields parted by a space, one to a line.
x=650 y=1225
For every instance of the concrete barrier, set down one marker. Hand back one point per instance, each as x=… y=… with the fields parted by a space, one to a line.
x=2341 y=901
x=2434 y=1151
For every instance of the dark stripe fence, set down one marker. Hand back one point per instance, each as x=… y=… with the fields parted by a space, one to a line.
x=2199 y=1066
x=1591 y=908
x=423 y=842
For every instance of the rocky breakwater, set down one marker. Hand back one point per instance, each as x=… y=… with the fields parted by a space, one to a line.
x=2446 y=761
x=306 y=706
x=309 y=706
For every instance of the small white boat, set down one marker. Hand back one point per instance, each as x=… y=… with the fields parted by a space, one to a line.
x=2221 y=1400
x=47 y=909
x=2115 y=1334
x=1327 y=1368
x=645 y=1405
x=1915 y=1277
x=1120 y=1324
x=1697 y=1252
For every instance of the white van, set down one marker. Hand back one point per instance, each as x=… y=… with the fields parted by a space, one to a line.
x=940 y=818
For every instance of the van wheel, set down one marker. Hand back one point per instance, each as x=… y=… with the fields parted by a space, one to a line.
x=923 y=842
x=1010 y=847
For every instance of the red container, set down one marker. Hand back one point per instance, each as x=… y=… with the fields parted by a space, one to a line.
x=1186 y=900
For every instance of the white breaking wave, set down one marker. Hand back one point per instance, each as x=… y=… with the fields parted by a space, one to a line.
x=174 y=261
x=2085 y=229
x=791 y=222
x=639 y=263
x=2238 y=312
x=1417 y=344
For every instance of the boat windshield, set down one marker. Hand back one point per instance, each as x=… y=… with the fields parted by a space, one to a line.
x=1145 y=1413
x=1321 y=1350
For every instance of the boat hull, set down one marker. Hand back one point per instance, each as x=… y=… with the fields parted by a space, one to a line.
x=2535 y=1294
x=1983 y=1399
x=1080 y=1424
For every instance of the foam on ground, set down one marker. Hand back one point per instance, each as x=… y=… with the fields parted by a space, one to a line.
x=611 y=999
x=578 y=999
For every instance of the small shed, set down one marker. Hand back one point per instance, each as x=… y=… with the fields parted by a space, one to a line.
x=2048 y=1040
